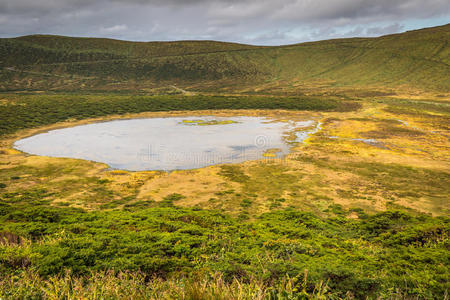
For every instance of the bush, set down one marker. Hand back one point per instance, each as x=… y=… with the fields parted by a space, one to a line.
x=389 y=251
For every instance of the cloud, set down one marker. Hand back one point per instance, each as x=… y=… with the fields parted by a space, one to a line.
x=114 y=29
x=251 y=21
x=40 y=6
x=393 y=28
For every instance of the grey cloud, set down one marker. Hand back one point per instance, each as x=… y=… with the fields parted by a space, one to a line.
x=251 y=21
x=360 y=9
x=393 y=28
x=40 y=6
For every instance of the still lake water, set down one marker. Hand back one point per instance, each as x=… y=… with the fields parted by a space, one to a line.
x=166 y=143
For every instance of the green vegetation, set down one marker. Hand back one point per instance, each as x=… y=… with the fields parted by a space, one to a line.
x=416 y=59
x=108 y=285
x=269 y=230
x=336 y=219
x=30 y=111
x=390 y=253
x=430 y=113
x=234 y=173
x=207 y=123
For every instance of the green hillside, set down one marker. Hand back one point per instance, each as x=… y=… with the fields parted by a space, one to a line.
x=358 y=209
x=417 y=59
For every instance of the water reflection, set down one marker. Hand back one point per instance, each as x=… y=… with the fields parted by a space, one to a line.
x=165 y=143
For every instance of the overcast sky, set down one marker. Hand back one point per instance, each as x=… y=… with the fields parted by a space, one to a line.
x=267 y=22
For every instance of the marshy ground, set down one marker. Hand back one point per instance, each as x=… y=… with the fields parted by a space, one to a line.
x=360 y=209
x=389 y=153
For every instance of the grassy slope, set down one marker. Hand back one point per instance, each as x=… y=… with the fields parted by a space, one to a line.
x=418 y=59
x=414 y=58
x=314 y=226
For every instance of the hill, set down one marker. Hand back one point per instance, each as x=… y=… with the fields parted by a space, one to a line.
x=417 y=59
x=358 y=210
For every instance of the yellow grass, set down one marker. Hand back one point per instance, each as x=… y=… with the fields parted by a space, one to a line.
x=318 y=173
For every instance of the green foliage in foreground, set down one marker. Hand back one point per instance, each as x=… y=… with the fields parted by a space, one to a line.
x=127 y=285
x=29 y=111
x=390 y=253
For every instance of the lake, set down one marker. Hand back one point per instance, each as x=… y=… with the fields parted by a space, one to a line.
x=171 y=143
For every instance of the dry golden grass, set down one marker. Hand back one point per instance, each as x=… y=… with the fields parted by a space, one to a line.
x=321 y=172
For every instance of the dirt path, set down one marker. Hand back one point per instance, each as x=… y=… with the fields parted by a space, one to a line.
x=182 y=91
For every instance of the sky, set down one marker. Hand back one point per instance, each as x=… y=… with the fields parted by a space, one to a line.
x=259 y=22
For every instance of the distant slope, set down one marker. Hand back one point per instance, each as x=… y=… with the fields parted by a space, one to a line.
x=417 y=59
